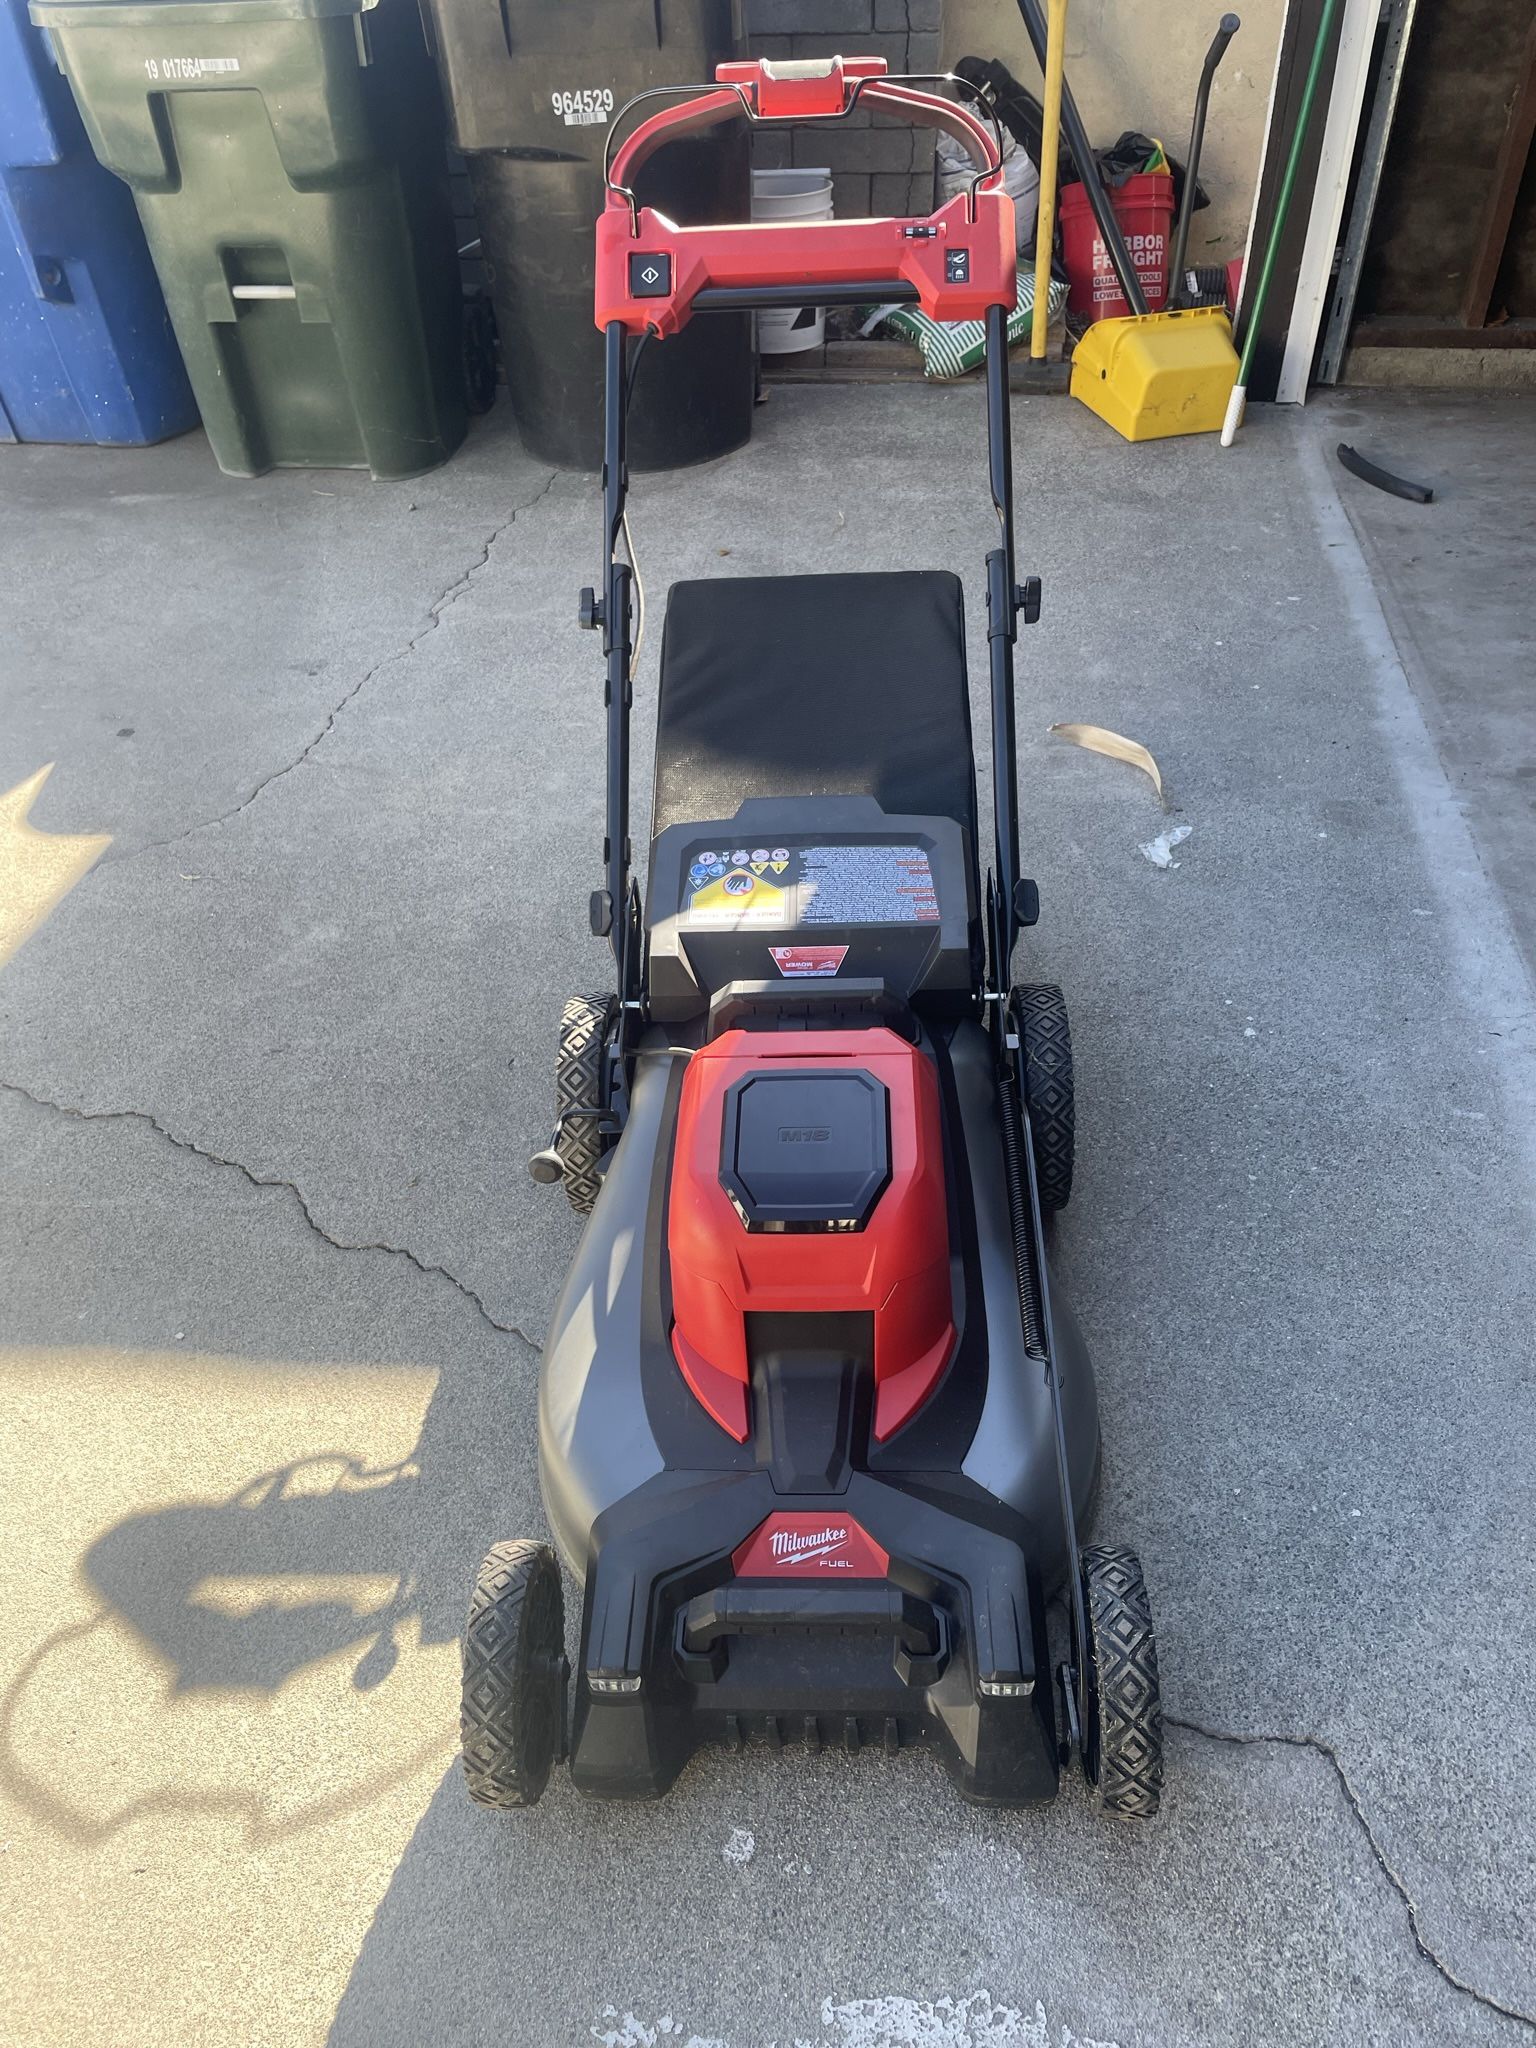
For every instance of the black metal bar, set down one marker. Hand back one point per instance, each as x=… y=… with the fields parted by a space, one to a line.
x=618 y=651
x=1088 y=168
x=750 y=298
x=1226 y=31
x=1033 y=1266
x=1002 y=629
x=1362 y=208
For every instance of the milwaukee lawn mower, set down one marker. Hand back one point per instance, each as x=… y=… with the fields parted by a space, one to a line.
x=815 y=1437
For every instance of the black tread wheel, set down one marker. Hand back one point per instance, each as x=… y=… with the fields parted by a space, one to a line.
x=1123 y=1741
x=586 y=1023
x=479 y=353
x=512 y=1706
x=1040 y=1013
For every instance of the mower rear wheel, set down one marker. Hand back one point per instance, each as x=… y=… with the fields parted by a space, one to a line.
x=1123 y=1740
x=1040 y=1017
x=512 y=1708
x=581 y=1079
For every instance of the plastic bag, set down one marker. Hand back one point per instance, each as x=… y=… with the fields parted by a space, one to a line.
x=1017 y=108
x=1020 y=113
x=1021 y=181
x=1132 y=152
x=952 y=347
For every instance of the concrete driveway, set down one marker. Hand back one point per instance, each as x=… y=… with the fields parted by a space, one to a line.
x=275 y=1277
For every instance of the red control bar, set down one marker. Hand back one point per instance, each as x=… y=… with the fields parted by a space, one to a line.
x=955 y=263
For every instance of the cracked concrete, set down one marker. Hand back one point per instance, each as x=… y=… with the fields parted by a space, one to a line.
x=265 y=1032
x=261 y=1180
x=444 y=600
x=1394 y=1878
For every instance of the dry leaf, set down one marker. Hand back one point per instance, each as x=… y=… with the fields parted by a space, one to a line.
x=1099 y=739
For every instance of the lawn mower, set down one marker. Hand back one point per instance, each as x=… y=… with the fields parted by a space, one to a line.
x=816 y=1437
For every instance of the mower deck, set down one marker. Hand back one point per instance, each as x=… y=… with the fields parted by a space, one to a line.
x=656 y=1505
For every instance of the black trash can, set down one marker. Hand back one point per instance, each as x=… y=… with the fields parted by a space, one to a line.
x=531 y=88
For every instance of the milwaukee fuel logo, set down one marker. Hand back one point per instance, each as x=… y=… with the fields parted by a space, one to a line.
x=791 y=1546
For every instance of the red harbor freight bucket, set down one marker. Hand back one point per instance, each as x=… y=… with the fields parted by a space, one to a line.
x=1144 y=208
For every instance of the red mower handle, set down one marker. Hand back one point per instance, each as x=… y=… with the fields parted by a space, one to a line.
x=652 y=275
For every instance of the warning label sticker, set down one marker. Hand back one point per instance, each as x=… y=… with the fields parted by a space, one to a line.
x=737 y=898
x=784 y=888
x=802 y=960
x=867 y=885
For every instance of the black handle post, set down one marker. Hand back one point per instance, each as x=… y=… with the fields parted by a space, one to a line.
x=1002 y=630
x=615 y=909
x=1213 y=56
x=615 y=920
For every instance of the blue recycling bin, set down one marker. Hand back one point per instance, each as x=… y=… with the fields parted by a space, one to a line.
x=86 y=350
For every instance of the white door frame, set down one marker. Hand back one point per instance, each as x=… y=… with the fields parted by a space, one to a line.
x=1346 y=102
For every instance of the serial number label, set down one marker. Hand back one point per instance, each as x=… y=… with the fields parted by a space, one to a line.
x=585 y=107
x=181 y=69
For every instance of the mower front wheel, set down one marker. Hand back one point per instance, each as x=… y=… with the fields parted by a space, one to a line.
x=581 y=1091
x=1123 y=1738
x=512 y=1708
x=1040 y=1019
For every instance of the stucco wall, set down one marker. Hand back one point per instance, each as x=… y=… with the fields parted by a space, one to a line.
x=1135 y=64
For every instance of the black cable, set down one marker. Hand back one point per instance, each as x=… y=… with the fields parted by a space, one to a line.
x=634 y=366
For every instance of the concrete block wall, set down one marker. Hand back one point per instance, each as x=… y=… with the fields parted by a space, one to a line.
x=879 y=165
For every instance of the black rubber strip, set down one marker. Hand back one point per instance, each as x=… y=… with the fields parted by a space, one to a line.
x=1383 y=479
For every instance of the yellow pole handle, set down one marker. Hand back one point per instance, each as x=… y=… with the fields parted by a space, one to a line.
x=1050 y=144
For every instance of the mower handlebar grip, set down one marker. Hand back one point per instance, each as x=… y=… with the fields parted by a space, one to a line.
x=820 y=89
x=955 y=263
x=1227 y=28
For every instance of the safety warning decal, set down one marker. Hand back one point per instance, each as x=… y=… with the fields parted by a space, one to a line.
x=802 y=960
x=735 y=895
x=784 y=888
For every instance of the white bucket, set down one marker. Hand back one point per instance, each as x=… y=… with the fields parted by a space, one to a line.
x=791 y=195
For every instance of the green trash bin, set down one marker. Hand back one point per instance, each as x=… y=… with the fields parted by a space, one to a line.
x=287 y=157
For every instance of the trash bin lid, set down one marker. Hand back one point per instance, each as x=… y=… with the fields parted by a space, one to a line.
x=201 y=13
